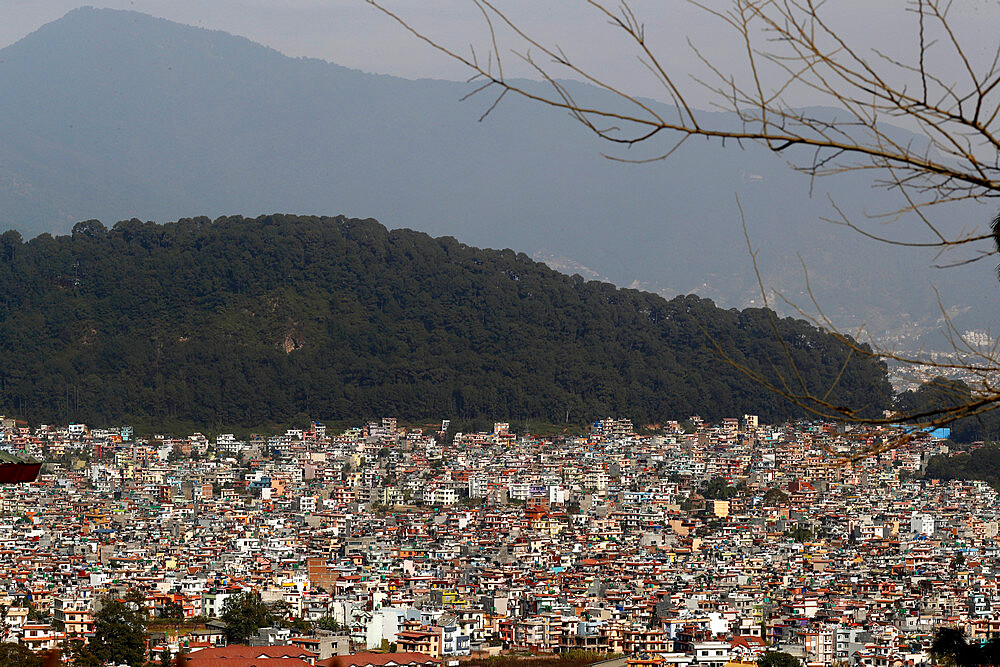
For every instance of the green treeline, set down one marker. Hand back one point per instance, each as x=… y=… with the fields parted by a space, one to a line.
x=251 y=321
x=982 y=464
x=940 y=394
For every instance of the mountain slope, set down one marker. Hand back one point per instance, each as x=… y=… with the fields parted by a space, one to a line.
x=113 y=115
x=243 y=321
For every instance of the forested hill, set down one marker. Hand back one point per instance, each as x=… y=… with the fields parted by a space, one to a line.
x=112 y=114
x=243 y=322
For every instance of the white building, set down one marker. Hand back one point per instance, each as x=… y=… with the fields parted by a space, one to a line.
x=213 y=602
x=711 y=653
x=385 y=623
x=478 y=486
x=921 y=524
x=557 y=495
x=442 y=496
x=519 y=490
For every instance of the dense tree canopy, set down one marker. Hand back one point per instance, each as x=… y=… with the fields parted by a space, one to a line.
x=951 y=649
x=982 y=464
x=244 y=614
x=120 y=632
x=942 y=393
x=718 y=488
x=244 y=322
x=775 y=496
x=778 y=659
x=172 y=610
x=18 y=655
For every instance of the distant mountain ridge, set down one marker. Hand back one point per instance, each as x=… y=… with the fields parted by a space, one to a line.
x=280 y=318
x=112 y=115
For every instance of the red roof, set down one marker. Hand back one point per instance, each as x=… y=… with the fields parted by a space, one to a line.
x=749 y=641
x=238 y=655
x=19 y=473
x=246 y=662
x=379 y=660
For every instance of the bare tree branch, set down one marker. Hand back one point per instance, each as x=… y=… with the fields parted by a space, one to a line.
x=950 y=151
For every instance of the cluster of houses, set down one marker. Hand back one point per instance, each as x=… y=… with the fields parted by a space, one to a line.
x=698 y=544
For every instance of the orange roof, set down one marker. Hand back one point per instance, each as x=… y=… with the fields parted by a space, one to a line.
x=238 y=655
x=245 y=662
x=378 y=660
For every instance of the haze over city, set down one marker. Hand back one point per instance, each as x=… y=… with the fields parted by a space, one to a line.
x=533 y=334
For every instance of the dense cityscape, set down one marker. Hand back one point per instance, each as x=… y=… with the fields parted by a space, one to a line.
x=499 y=334
x=694 y=543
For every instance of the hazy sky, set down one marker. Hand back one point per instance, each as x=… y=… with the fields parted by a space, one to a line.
x=351 y=33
